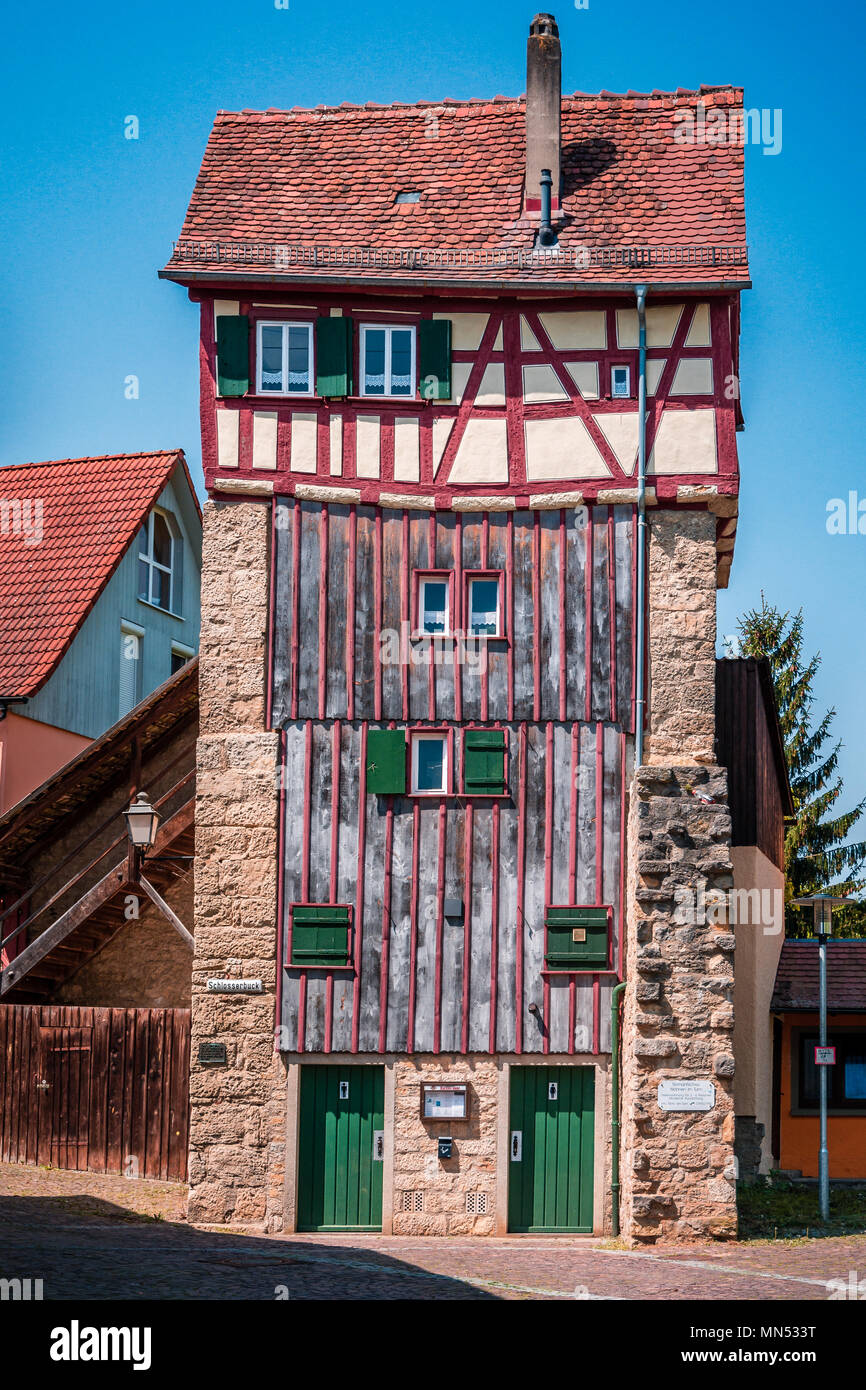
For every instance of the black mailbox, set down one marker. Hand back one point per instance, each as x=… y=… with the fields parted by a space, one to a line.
x=446 y=1145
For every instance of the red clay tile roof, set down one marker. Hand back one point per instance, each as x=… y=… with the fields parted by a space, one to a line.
x=90 y=511
x=796 y=984
x=321 y=185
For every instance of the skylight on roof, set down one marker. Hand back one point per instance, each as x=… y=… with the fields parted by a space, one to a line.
x=410 y=196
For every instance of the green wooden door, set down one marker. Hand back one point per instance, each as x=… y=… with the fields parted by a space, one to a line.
x=342 y=1118
x=550 y=1168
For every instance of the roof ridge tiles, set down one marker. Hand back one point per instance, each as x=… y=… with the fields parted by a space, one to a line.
x=90 y=458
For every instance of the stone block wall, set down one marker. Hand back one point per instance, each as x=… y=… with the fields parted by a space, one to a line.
x=237 y=1112
x=678 y=1170
x=445 y=1182
x=681 y=585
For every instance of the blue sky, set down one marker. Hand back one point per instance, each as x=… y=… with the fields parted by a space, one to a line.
x=89 y=216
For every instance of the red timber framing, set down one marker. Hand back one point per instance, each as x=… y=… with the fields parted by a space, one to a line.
x=559 y=684
x=504 y=344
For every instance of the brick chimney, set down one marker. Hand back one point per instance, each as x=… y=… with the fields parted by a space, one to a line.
x=543 y=103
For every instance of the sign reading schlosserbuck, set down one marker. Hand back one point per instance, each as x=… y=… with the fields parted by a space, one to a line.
x=426 y=857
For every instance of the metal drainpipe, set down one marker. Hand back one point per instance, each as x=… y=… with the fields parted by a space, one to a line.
x=640 y=294
x=614 y=1106
x=546 y=234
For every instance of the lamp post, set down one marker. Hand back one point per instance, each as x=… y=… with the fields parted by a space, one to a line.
x=142 y=823
x=822 y=905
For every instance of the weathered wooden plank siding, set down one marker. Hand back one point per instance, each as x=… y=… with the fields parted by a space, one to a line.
x=414 y=960
x=552 y=604
x=559 y=682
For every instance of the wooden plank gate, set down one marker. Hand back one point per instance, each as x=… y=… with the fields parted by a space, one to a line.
x=101 y=1090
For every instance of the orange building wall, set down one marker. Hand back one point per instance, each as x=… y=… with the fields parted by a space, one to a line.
x=30 y=753
x=846 y=1134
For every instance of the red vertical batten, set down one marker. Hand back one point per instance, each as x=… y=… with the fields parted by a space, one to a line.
x=404 y=614
x=272 y=603
x=282 y=953
x=377 y=618
x=599 y=813
x=588 y=657
x=485 y=672
x=467 y=921
x=413 y=928
x=563 y=655
x=386 y=926
x=548 y=862
x=572 y=814
x=509 y=608
x=431 y=669
x=440 y=926
x=350 y=615
x=305 y=873
x=494 y=925
x=324 y=529
x=536 y=609
x=359 y=892
x=296 y=604
x=458 y=614
x=622 y=856
x=521 y=877
x=611 y=591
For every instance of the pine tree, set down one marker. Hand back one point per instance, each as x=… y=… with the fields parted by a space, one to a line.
x=817 y=857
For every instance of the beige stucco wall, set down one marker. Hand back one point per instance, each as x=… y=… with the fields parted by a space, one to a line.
x=759 y=945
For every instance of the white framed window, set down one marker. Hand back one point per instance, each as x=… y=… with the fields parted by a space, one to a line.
x=620 y=382
x=284 y=358
x=434 y=605
x=485 y=606
x=131 y=641
x=387 y=361
x=429 y=763
x=160 y=562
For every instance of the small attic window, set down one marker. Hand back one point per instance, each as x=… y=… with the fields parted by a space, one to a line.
x=409 y=196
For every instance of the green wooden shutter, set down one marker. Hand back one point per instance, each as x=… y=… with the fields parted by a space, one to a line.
x=320 y=935
x=484 y=762
x=334 y=356
x=386 y=761
x=563 y=952
x=434 y=359
x=233 y=354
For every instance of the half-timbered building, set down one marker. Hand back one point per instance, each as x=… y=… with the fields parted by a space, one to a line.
x=469 y=401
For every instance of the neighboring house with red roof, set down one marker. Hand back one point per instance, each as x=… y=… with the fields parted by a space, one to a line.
x=794 y=1008
x=100 y=564
x=457 y=755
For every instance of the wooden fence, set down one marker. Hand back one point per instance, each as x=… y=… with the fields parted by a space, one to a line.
x=102 y=1090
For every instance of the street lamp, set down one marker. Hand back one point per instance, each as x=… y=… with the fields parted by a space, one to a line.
x=142 y=822
x=822 y=905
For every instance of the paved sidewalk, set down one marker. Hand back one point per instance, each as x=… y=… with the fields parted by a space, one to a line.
x=91 y=1236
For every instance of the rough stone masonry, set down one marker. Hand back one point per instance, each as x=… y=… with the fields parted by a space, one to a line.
x=678 y=1167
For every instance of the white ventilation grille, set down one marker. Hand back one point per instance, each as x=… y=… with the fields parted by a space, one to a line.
x=413 y=1201
x=476 y=1203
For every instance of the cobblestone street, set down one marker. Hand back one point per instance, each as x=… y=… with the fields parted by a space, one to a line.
x=96 y=1237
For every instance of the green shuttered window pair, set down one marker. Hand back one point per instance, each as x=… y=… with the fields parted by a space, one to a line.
x=484 y=762
x=577 y=938
x=334 y=345
x=320 y=934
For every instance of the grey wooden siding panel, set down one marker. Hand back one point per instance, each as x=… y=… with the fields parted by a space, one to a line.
x=624 y=529
x=481 y=882
x=418 y=669
x=293 y=783
x=371 y=927
x=533 y=900
x=452 y=935
x=600 y=672
x=347 y=875
x=575 y=612
x=425 y=987
x=308 y=617
x=445 y=558
x=392 y=571
x=473 y=668
x=401 y=928
x=547 y=634
x=320 y=813
x=497 y=687
x=337 y=607
x=365 y=638
x=509 y=919
x=524 y=621
x=282 y=601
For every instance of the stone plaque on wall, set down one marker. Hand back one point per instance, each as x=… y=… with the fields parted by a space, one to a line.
x=686 y=1095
